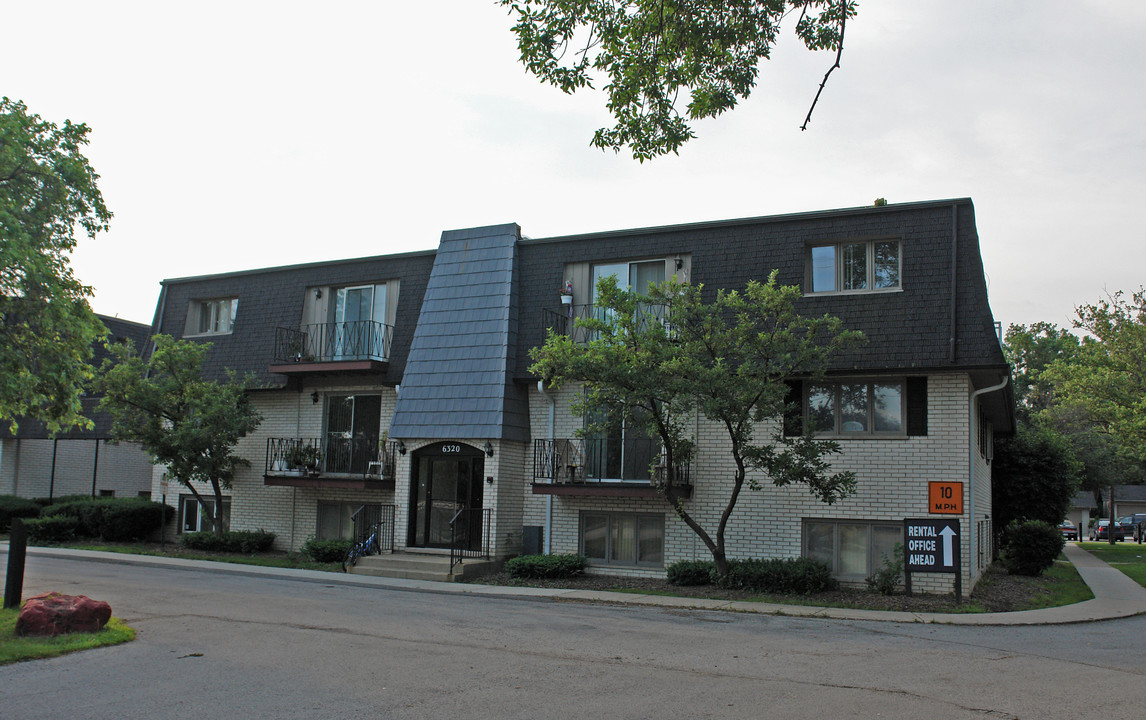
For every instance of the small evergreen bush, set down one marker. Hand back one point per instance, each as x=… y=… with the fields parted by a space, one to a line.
x=53 y=528
x=12 y=506
x=1030 y=547
x=690 y=572
x=546 y=566
x=786 y=576
x=326 y=551
x=232 y=541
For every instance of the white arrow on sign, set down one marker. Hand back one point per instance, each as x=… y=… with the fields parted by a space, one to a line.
x=948 y=546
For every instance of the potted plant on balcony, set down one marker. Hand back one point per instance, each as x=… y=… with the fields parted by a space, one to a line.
x=567 y=293
x=304 y=459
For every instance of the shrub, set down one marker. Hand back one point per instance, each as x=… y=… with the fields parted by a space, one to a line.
x=45 y=502
x=886 y=580
x=113 y=518
x=84 y=509
x=787 y=576
x=1030 y=547
x=132 y=518
x=690 y=572
x=53 y=528
x=16 y=507
x=231 y=541
x=546 y=566
x=326 y=551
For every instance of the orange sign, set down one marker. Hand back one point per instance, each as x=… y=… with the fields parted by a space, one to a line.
x=945 y=498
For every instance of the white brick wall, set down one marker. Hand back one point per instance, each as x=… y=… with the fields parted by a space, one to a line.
x=892 y=483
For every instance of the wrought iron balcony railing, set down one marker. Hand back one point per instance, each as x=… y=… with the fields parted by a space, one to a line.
x=331 y=456
x=563 y=320
x=597 y=460
x=332 y=342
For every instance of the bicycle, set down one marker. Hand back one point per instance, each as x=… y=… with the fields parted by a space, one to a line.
x=366 y=546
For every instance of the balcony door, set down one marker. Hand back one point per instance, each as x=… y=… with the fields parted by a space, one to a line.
x=352 y=430
x=356 y=315
x=446 y=486
x=635 y=276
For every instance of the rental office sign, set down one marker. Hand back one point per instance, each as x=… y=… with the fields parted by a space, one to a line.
x=932 y=545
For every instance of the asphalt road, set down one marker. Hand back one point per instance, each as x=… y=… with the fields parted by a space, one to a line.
x=224 y=646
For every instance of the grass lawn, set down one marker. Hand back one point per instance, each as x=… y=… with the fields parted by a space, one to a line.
x=14 y=649
x=1129 y=557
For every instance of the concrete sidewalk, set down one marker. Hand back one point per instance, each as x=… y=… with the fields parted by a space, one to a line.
x=1115 y=595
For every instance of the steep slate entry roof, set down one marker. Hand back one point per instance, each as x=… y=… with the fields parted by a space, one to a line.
x=458 y=381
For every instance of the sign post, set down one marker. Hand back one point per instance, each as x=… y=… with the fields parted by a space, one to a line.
x=932 y=545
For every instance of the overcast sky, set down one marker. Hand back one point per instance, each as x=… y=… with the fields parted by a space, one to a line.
x=236 y=135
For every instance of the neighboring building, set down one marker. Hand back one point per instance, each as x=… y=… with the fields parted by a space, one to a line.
x=409 y=374
x=35 y=464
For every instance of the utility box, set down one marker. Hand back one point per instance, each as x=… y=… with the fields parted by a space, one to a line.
x=532 y=539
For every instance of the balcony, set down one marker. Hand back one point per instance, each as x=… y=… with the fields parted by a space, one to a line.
x=603 y=467
x=341 y=346
x=349 y=463
x=563 y=320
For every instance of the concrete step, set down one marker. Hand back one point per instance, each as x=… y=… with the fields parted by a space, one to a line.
x=418 y=566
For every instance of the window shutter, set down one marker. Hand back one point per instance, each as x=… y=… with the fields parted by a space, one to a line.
x=916 y=406
x=794 y=409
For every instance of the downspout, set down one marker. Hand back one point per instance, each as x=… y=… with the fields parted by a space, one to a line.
x=971 y=417
x=552 y=433
x=954 y=267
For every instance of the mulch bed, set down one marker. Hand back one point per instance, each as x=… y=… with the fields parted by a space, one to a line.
x=995 y=592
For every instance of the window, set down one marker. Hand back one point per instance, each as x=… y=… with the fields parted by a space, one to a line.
x=623 y=538
x=853 y=549
x=854 y=266
x=334 y=520
x=107 y=493
x=192 y=517
x=358 y=315
x=211 y=317
x=856 y=407
x=615 y=449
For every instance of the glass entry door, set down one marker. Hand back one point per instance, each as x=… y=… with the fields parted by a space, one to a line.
x=447 y=486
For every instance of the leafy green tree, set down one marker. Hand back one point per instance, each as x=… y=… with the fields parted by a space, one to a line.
x=659 y=359
x=182 y=421
x=654 y=51
x=47 y=189
x=1031 y=350
x=1106 y=383
x=1034 y=477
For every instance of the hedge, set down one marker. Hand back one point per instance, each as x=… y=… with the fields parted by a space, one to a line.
x=231 y=541
x=12 y=506
x=53 y=528
x=790 y=576
x=113 y=519
x=326 y=551
x=539 y=567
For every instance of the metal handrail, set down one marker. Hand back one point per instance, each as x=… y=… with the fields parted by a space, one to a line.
x=588 y=460
x=332 y=342
x=457 y=552
x=335 y=456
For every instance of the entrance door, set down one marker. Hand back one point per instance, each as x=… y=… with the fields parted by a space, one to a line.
x=447 y=486
x=352 y=429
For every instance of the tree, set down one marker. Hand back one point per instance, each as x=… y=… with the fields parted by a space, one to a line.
x=1035 y=477
x=182 y=421
x=652 y=51
x=1031 y=350
x=658 y=359
x=1107 y=381
x=47 y=329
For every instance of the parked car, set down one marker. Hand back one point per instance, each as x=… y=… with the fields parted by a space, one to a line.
x=1098 y=531
x=1068 y=530
x=1137 y=527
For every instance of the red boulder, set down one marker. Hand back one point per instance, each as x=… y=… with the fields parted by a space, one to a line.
x=53 y=614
